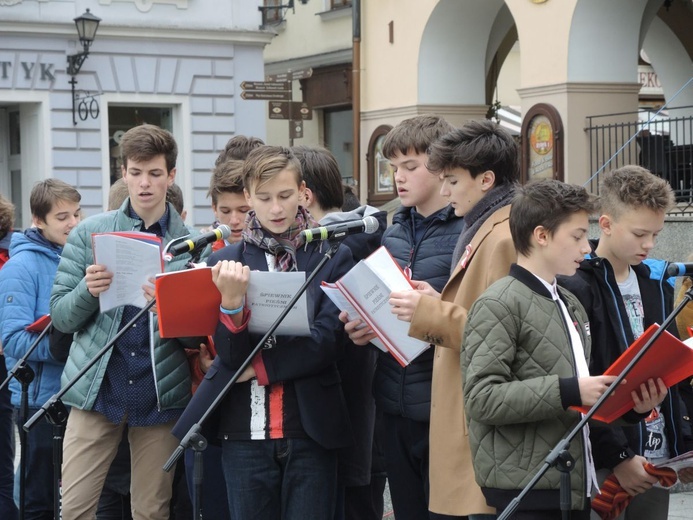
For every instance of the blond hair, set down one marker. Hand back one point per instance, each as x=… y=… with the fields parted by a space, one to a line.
x=634 y=187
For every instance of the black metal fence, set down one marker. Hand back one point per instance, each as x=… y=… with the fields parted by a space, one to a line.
x=663 y=145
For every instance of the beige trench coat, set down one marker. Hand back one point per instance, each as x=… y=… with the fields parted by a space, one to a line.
x=441 y=321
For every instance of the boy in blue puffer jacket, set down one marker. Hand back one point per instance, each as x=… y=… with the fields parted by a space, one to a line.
x=26 y=281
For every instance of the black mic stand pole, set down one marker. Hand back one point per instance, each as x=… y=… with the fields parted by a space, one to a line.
x=194 y=439
x=559 y=454
x=24 y=374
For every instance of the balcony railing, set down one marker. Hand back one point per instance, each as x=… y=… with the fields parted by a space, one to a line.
x=664 y=146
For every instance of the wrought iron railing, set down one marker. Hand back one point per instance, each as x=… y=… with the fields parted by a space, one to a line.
x=663 y=145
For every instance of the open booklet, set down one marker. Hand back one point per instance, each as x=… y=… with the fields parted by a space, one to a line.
x=133 y=257
x=364 y=292
x=188 y=303
x=668 y=358
x=676 y=463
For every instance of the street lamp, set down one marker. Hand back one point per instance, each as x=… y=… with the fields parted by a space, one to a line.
x=87 y=25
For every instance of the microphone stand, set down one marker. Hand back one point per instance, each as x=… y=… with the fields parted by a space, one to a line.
x=194 y=439
x=24 y=374
x=559 y=455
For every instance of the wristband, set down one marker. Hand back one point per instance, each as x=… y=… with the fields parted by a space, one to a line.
x=232 y=311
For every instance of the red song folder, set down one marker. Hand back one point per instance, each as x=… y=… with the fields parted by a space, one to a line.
x=187 y=303
x=40 y=324
x=668 y=358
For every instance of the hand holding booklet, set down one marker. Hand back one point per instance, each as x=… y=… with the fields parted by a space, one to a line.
x=188 y=303
x=364 y=292
x=668 y=358
x=133 y=257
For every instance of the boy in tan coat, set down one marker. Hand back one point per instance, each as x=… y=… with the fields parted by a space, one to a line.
x=479 y=166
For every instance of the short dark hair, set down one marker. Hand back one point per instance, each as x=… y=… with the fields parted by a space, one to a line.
x=265 y=162
x=321 y=173
x=46 y=193
x=477 y=146
x=414 y=135
x=237 y=148
x=174 y=195
x=145 y=142
x=351 y=201
x=6 y=216
x=547 y=203
x=227 y=177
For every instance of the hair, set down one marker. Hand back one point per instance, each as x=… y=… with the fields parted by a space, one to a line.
x=415 y=135
x=227 y=177
x=237 y=148
x=6 y=216
x=351 y=201
x=321 y=173
x=634 y=187
x=46 y=193
x=266 y=162
x=547 y=203
x=144 y=142
x=477 y=146
x=174 y=195
x=117 y=194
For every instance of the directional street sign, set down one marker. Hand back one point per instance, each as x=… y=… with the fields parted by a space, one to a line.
x=266 y=85
x=290 y=110
x=295 y=129
x=266 y=95
x=291 y=75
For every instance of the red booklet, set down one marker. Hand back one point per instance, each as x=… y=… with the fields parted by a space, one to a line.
x=668 y=358
x=40 y=324
x=187 y=303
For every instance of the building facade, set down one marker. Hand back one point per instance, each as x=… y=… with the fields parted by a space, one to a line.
x=174 y=63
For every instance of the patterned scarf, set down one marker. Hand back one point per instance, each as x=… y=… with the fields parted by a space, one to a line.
x=283 y=246
x=612 y=499
x=498 y=197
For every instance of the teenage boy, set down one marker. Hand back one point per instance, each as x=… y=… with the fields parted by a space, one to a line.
x=144 y=386
x=324 y=198
x=26 y=281
x=421 y=239
x=622 y=299
x=237 y=148
x=229 y=204
x=480 y=167
x=284 y=419
x=524 y=359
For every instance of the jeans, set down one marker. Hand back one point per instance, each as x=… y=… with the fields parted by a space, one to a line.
x=8 y=509
x=280 y=479
x=38 y=492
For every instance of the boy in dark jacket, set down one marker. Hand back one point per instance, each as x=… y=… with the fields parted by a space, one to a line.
x=524 y=359
x=421 y=239
x=622 y=299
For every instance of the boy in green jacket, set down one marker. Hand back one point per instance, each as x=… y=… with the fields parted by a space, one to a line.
x=524 y=359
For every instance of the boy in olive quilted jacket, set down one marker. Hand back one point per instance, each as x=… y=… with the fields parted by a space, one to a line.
x=524 y=359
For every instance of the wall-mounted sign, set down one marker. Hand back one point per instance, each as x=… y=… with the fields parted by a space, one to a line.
x=542 y=143
x=381 y=179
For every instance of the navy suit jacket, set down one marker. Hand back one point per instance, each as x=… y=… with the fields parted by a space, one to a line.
x=310 y=362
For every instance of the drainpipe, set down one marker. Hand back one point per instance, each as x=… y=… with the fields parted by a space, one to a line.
x=356 y=91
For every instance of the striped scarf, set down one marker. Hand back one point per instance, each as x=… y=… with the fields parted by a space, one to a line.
x=283 y=246
x=612 y=499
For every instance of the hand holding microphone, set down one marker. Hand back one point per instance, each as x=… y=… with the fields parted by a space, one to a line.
x=340 y=230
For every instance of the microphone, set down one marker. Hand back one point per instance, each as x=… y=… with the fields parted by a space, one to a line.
x=340 y=230
x=680 y=269
x=186 y=246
